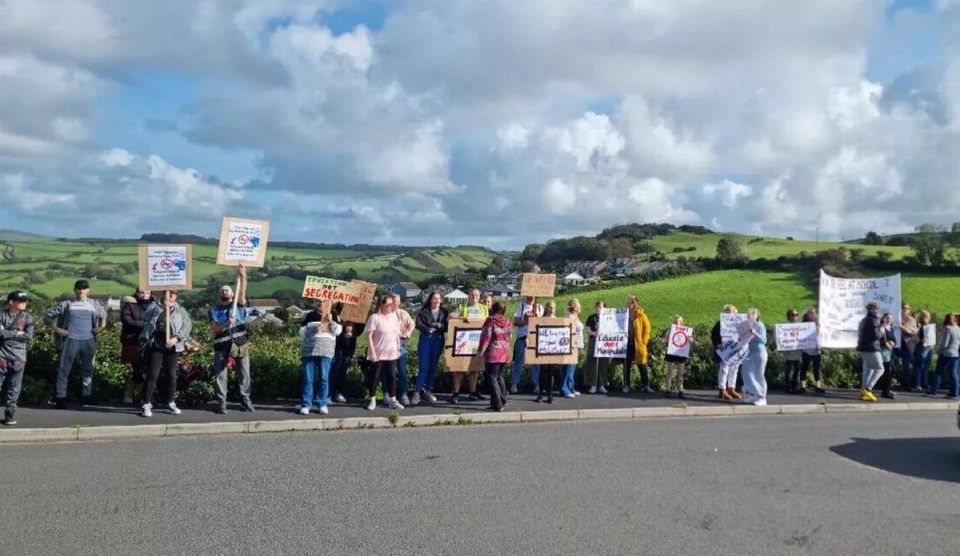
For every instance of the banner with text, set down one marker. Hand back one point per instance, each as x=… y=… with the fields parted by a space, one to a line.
x=843 y=303
x=612 y=334
x=165 y=267
x=461 y=347
x=728 y=325
x=337 y=291
x=538 y=285
x=243 y=241
x=796 y=336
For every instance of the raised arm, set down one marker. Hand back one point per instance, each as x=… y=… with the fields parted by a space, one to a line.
x=242 y=290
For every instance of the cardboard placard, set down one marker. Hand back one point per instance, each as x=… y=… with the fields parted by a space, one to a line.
x=460 y=348
x=552 y=341
x=165 y=267
x=361 y=310
x=796 y=336
x=337 y=291
x=679 y=340
x=538 y=285
x=243 y=241
x=728 y=325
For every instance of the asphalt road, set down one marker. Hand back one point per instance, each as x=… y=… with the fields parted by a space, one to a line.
x=828 y=484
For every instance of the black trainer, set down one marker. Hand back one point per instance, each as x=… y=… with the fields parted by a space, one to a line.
x=61 y=403
x=8 y=418
x=455 y=399
x=247 y=405
x=476 y=396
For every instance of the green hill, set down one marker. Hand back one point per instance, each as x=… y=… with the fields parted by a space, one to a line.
x=705 y=245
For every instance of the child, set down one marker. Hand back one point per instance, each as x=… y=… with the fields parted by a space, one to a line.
x=676 y=366
x=16 y=331
x=319 y=333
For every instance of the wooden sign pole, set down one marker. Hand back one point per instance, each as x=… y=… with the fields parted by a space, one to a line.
x=166 y=305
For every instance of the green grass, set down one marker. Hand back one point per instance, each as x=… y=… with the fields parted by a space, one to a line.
x=266 y=288
x=769 y=248
x=64 y=285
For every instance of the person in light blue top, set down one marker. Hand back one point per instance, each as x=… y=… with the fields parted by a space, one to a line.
x=755 y=364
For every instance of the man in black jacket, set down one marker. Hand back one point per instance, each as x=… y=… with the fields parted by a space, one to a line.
x=869 y=337
x=131 y=318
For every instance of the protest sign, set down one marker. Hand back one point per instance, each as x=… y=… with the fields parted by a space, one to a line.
x=551 y=341
x=337 y=291
x=359 y=311
x=612 y=334
x=679 y=340
x=728 y=325
x=929 y=335
x=461 y=347
x=165 y=267
x=538 y=285
x=796 y=336
x=243 y=241
x=843 y=303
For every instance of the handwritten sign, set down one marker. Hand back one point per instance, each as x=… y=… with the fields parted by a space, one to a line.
x=461 y=347
x=679 y=340
x=538 y=285
x=554 y=340
x=728 y=325
x=796 y=336
x=612 y=334
x=359 y=311
x=929 y=335
x=843 y=303
x=551 y=341
x=337 y=291
x=165 y=267
x=243 y=241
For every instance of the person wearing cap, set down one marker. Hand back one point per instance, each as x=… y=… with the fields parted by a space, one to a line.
x=165 y=341
x=230 y=342
x=76 y=324
x=16 y=331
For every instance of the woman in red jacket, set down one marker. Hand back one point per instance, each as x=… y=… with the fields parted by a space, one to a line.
x=495 y=350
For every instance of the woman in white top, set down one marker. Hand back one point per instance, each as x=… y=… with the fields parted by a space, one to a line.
x=569 y=376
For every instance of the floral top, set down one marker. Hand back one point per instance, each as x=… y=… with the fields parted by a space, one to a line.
x=495 y=339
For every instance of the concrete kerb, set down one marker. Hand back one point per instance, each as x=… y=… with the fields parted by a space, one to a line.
x=85 y=433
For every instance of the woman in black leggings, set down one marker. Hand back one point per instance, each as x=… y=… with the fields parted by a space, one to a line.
x=167 y=330
x=811 y=358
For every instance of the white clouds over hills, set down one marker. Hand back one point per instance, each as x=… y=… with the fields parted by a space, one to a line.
x=455 y=121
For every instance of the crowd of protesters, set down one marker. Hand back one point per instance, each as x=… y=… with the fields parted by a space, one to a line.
x=156 y=332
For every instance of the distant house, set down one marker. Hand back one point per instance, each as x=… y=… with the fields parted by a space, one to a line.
x=109 y=302
x=573 y=279
x=502 y=290
x=456 y=296
x=257 y=307
x=406 y=290
x=622 y=267
x=587 y=269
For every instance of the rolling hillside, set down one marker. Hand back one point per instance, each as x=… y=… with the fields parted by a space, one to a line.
x=758 y=247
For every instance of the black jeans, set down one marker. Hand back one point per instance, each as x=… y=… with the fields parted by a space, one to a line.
x=496 y=385
x=548 y=378
x=808 y=360
x=791 y=371
x=389 y=370
x=887 y=377
x=628 y=367
x=338 y=371
x=168 y=361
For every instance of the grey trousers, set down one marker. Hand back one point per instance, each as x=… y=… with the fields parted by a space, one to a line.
x=243 y=375
x=13 y=370
x=86 y=350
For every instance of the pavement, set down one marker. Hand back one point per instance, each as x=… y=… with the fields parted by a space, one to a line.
x=119 y=421
x=828 y=484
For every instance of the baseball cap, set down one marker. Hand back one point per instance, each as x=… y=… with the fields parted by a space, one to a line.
x=17 y=295
x=81 y=285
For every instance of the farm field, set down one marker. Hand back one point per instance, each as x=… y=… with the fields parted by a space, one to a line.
x=768 y=248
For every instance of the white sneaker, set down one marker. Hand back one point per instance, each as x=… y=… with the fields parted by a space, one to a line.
x=760 y=402
x=372 y=405
x=173 y=409
x=569 y=395
x=396 y=405
x=404 y=400
x=323 y=410
x=592 y=390
x=147 y=410
x=575 y=393
x=601 y=390
x=340 y=399
x=626 y=389
x=304 y=410
x=415 y=400
x=430 y=397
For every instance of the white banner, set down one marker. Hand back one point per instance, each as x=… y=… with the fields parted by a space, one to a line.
x=612 y=333
x=843 y=303
x=728 y=325
x=796 y=336
x=679 y=340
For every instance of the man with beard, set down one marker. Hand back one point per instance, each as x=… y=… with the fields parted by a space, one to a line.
x=230 y=347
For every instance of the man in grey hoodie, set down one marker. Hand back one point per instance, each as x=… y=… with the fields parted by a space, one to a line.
x=16 y=331
x=76 y=325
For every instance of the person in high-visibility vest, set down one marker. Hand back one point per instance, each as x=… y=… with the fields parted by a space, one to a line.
x=471 y=311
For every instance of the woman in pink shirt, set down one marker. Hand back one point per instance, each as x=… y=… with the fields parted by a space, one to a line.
x=495 y=350
x=383 y=351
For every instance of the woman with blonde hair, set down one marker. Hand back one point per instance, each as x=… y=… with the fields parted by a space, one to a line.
x=726 y=371
x=548 y=373
x=923 y=353
x=569 y=377
x=595 y=368
x=948 y=352
x=755 y=364
x=676 y=367
x=319 y=332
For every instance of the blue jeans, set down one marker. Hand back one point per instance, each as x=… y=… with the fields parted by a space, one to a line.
x=906 y=371
x=921 y=366
x=429 y=349
x=401 y=371
x=519 y=355
x=569 y=371
x=945 y=365
x=315 y=369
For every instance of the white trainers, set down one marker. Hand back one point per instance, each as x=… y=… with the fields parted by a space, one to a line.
x=339 y=398
x=396 y=405
x=372 y=405
x=147 y=410
x=404 y=400
x=304 y=410
x=601 y=390
x=626 y=389
x=576 y=393
x=570 y=395
x=592 y=390
x=173 y=409
x=415 y=400
x=323 y=410
x=430 y=397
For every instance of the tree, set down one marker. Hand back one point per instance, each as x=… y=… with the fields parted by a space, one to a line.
x=620 y=248
x=730 y=249
x=872 y=238
x=929 y=246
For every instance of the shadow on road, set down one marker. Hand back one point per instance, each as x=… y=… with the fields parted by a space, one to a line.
x=935 y=459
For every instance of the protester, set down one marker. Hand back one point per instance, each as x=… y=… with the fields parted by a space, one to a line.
x=473 y=311
x=755 y=364
x=521 y=319
x=383 y=350
x=676 y=367
x=16 y=332
x=166 y=329
x=76 y=325
x=908 y=345
x=488 y=302
x=131 y=319
x=869 y=338
x=887 y=346
x=495 y=350
x=727 y=371
x=637 y=339
x=811 y=358
x=568 y=386
x=948 y=352
x=231 y=348
x=791 y=361
x=407 y=326
x=346 y=347
x=922 y=354
x=547 y=378
x=319 y=331
x=595 y=368
x=432 y=323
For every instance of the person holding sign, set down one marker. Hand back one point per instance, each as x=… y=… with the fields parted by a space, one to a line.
x=547 y=373
x=926 y=339
x=755 y=364
x=595 y=368
x=165 y=333
x=676 y=365
x=521 y=319
x=567 y=387
x=639 y=337
x=383 y=350
x=791 y=361
x=811 y=358
x=869 y=337
x=131 y=319
x=76 y=325
x=346 y=347
x=319 y=332
x=230 y=343
x=495 y=350
x=432 y=324
x=473 y=311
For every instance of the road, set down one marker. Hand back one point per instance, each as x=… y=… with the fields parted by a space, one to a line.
x=828 y=484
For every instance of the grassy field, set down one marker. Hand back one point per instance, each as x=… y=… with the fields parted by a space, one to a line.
x=769 y=248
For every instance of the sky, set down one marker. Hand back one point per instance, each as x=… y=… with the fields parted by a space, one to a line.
x=495 y=122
